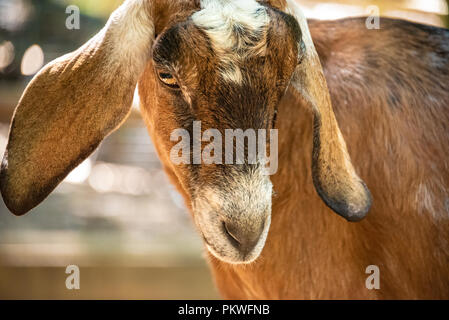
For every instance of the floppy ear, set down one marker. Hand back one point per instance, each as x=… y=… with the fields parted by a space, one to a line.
x=72 y=104
x=334 y=176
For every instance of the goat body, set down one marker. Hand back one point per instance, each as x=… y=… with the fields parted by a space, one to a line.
x=236 y=64
x=390 y=93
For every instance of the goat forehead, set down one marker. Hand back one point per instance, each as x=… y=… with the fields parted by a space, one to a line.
x=236 y=29
x=225 y=18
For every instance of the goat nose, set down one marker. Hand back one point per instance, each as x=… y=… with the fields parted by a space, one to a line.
x=241 y=237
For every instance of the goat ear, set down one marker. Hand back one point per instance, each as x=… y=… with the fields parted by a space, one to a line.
x=72 y=104
x=334 y=176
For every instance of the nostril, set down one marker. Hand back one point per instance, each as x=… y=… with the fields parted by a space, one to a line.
x=234 y=239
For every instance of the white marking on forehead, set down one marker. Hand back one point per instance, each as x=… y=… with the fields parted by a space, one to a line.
x=230 y=72
x=222 y=20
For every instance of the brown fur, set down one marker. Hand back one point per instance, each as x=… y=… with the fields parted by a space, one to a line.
x=389 y=89
x=311 y=254
x=396 y=146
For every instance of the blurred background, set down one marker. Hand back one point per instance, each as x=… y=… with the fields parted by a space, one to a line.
x=116 y=216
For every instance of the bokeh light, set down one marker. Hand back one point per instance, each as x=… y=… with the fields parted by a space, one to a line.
x=6 y=54
x=32 y=60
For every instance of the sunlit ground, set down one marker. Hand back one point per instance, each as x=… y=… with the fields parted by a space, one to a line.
x=116 y=216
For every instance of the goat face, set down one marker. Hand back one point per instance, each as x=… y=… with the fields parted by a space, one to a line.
x=228 y=73
x=224 y=63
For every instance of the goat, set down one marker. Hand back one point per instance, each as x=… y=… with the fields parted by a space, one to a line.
x=253 y=64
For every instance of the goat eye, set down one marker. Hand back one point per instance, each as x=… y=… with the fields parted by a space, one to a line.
x=168 y=79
